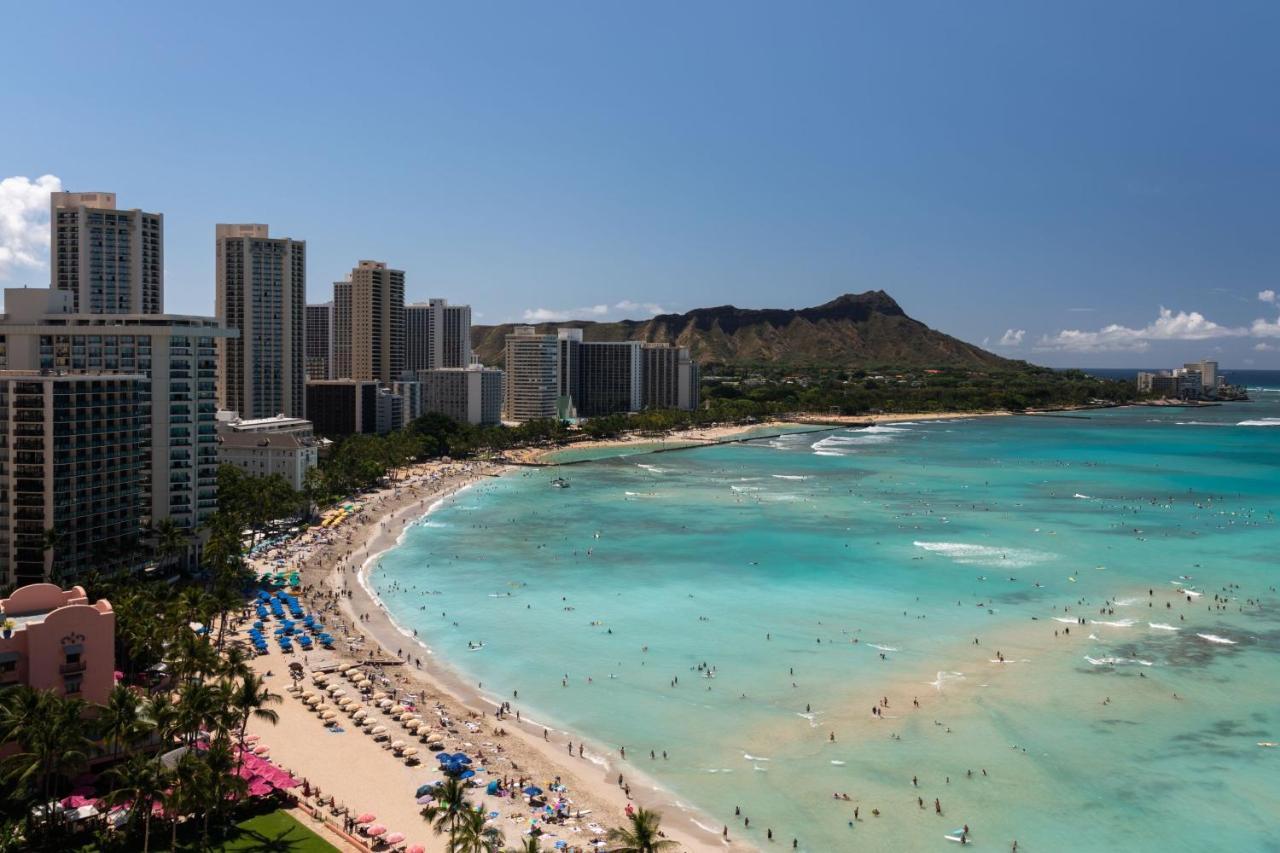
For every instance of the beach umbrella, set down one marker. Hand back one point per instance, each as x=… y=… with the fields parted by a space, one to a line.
x=367 y=817
x=425 y=789
x=252 y=738
x=399 y=744
x=424 y=799
x=379 y=695
x=377 y=730
x=360 y=715
x=385 y=703
x=467 y=774
x=394 y=837
x=413 y=750
x=417 y=848
x=533 y=790
x=355 y=670
x=261 y=750
x=329 y=715
x=376 y=830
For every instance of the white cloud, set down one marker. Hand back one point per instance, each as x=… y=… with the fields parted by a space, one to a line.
x=649 y=309
x=1265 y=347
x=1182 y=326
x=625 y=309
x=1013 y=338
x=1265 y=329
x=24 y=222
x=550 y=315
x=1268 y=296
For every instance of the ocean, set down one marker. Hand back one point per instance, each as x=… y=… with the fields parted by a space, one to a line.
x=739 y=606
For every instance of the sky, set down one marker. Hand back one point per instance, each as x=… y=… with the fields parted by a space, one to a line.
x=1074 y=183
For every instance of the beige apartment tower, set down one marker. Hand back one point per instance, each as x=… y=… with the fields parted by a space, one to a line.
x=110 y=261
x=262 y=292
x=368 y=324
x=532 y=389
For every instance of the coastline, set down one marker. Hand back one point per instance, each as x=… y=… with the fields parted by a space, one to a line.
x=328 y=572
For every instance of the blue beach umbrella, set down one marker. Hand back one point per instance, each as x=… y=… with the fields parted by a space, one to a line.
x=533 y=790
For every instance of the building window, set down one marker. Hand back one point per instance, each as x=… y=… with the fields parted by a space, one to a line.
x=71 y=686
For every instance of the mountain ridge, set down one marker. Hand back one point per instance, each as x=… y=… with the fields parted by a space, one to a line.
x=854 y=330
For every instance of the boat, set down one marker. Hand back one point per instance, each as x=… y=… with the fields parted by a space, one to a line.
x=560 y=483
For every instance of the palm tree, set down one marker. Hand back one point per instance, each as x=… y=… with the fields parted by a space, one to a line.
x=249 y=698
x=162 y=714
x=168 y=539
x=473 y=834
x=449 y=808
x=52 y=741
x=120 y=720
x=642 y=836
x=141 y=780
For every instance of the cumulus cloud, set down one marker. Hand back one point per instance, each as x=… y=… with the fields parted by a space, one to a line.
x=1265 y=329
x=1013 y=337
x=626 y=308
x=24 y=222
x=1268 y=296
x=1168 y=326
x=1265 y=347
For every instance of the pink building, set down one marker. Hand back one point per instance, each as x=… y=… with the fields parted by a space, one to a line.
x=58 y=641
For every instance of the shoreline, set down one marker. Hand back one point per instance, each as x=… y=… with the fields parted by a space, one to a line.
x=326 y=571
x=680 y=821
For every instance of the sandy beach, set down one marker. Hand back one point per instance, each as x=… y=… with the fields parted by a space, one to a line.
x=678 y=438
x=365 y=776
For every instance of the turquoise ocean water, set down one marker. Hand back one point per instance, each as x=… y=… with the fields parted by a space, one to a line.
x=819 y=573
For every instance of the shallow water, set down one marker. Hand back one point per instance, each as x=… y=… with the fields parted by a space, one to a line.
x=913 y=540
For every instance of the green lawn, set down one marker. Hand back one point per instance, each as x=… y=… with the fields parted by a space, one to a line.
x=276 y=831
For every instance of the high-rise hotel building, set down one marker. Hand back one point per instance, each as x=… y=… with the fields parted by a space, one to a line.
x=562 y=375
x=176 y=355
x=110 y=261
x=368 y=324
x=437 y=335
x=72 y=472
x=532 y=388
x=320 y=341
x=262 y=292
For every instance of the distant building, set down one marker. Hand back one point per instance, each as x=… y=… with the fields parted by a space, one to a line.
x=262 y=292
x=409 y=389
x=670 y=378
x=342 y=407
x=264 y=446
x=390 y=412
x=76 y=462
x=437 y=334
x=59 y=642
x=610 y=378
x=320 y=341
x=110 y=261
x=468 y=395
x=532 y=378
x=368 y=324
x=1208 y=370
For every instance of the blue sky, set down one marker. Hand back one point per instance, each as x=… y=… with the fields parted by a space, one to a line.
x=997 y=168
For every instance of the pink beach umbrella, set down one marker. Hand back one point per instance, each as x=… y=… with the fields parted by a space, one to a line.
x=261 y=750
x=424 y=799
x=417 y=848
x=376 y=830
x=367 y=817
x=394 y=837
